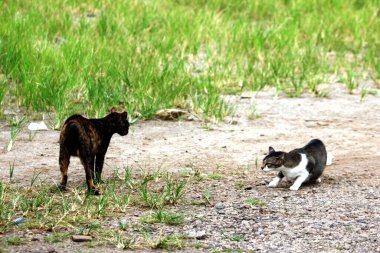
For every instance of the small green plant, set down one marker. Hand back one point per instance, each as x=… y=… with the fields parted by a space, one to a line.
x=237 y=238
x=170 y=242
x=128 y=176
x=215 y=176
x=56 y=237
x=16 y=125
x=255 y=202
x=161 y=216
x=32 y=134
x=365 y=92
x=351 y=82
x=172 y=192
x=252 y=113
x=257 y=162
x=123 y=242
x=16 y=241
x=34 y=178
x=123 y=225
x=207 y=195
x=11 y=171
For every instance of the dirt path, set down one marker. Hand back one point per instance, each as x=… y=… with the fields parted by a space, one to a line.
x=336 y=215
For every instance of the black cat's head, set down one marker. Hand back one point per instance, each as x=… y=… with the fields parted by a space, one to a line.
x=118 y=121
x=274 y=160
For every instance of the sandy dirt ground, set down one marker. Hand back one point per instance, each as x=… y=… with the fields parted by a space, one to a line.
x=350 y=129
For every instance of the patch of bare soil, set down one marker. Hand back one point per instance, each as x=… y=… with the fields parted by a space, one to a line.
x=341 y=213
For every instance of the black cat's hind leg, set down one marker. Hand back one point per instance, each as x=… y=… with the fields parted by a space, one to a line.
x=99 y=167
x=88 y=164
x=64 y=161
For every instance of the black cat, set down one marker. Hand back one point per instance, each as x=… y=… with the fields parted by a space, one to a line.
x=89 y=139
x=302 y=165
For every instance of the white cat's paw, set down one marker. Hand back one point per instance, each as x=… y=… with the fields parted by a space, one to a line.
x=319 y=180
x=294 y=188
x=273 y=184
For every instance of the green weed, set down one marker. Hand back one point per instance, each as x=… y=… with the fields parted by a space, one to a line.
x=255 y=202
x=56 y=237
x=161 y=216
x=16 y=127
x=170 y=242
x=16 y=241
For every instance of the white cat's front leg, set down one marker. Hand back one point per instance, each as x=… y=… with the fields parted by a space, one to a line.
x=299 y=181
x=274 y=183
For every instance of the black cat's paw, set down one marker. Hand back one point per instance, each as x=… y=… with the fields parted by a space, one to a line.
x=94 y=191
x=62 y=187
x=98 y=181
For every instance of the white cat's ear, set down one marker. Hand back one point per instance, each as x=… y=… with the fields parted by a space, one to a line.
x=271 y=150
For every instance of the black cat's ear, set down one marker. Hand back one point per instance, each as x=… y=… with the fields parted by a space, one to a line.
x=113 y=109
x=271 y=150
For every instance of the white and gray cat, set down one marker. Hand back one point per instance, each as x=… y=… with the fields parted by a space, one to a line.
x=302 y=165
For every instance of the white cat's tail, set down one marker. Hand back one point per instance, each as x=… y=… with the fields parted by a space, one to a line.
x=330 y=158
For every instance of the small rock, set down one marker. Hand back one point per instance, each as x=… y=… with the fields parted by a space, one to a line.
x=123 y=222
x=171 y=114
x=51 y=250
x=81 y=238
x=35 y=126
x=219 y=206
x=198 y=223
x=245 y=223
x=199 y=235
x=37 y=238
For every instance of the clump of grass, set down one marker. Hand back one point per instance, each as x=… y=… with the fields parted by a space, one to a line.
x=253 y=114
x=56 y=237
x=215 y=176
x=16 y=125
x=161 y=216
x=11 y=171
x=365 y=92
x=171 y=193
x=237 y=238
x=16 y=240
x=256 y=202
x=351 y=82
x=170 y=242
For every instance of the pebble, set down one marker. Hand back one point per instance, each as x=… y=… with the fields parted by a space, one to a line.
x=219 y=206
x=199 y=235
x=81 y=238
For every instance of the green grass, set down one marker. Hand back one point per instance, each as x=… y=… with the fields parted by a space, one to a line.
x=256 y=202
x=87 y=56
x=73 y=212
x=161 y=216
x=170 y=242
x=16 y=241
x=56 y=237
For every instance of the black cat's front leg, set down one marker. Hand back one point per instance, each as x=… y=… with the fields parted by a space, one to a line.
x=99 y=167
x=274 y=183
